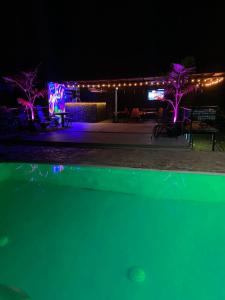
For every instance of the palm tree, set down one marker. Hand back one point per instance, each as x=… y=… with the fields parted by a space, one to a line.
x=178 y=85
x=27 y=83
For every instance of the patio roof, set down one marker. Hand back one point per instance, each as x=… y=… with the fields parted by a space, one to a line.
x=200 y=79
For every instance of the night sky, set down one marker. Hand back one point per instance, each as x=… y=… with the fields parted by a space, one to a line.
x=90 y=41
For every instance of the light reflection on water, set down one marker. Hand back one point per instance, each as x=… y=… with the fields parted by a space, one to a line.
x=57 y=168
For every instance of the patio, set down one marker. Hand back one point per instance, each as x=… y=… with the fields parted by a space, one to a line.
x=102 y=134
x=135 y=105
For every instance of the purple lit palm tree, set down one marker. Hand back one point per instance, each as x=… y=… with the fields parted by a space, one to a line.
x=178 y=85
x=27 y=82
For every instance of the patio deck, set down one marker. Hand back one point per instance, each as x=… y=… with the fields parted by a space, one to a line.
x=103 y=134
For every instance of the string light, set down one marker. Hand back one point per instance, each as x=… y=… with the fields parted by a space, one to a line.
x=205 y=82
x=214 y=82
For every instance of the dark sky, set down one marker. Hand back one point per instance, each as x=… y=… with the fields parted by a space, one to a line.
x=89 y=40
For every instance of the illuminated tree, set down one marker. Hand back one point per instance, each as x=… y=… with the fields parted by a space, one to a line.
x=27 y=83
x=178 y=86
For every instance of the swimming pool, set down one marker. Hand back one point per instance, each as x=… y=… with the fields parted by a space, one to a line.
x=75 y=232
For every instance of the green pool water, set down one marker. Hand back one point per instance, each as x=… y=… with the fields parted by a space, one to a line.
x=91 y=233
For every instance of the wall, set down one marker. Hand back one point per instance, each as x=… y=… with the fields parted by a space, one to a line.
x=87 y=112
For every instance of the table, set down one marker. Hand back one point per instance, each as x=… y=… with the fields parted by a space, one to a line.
x=62 y=115
x=205 y=130
x=149 y=113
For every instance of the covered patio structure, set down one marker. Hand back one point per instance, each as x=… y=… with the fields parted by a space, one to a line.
x=66 y=96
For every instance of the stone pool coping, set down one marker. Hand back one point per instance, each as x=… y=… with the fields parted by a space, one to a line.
x=156 y=159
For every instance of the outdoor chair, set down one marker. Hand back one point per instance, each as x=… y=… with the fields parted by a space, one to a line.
x=68 y=120
x=46 y=121
x=169 y=129
x=136 y=114
x=165 y=125
x=8 y=122
x=122 y=114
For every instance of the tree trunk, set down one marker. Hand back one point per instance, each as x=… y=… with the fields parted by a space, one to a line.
x=176 y=108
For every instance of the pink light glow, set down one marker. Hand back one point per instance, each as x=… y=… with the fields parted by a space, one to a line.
x=27 y=105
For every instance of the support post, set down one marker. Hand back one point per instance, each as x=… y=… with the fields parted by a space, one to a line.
x=213 y=141
x=116 y=105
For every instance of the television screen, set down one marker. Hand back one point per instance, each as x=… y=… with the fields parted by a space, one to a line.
x=156 y=94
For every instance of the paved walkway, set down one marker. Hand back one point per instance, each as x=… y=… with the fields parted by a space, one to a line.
x=162 y=159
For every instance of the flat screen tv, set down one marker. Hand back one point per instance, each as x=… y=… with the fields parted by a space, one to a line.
x=157 y=94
